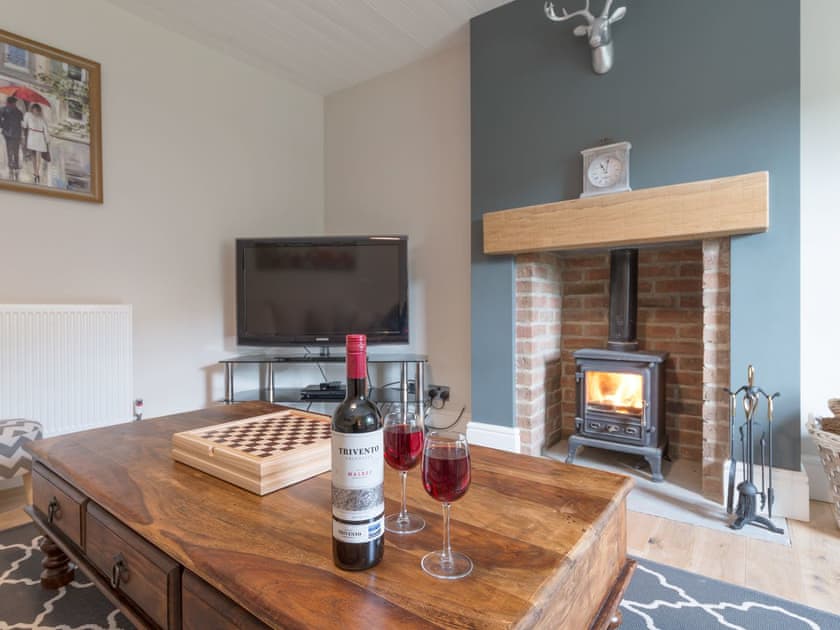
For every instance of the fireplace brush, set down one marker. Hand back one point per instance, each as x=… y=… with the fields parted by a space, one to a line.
x=733 y=408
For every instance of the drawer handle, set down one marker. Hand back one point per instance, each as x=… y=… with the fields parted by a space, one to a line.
x=52 y=510
x=118 y=570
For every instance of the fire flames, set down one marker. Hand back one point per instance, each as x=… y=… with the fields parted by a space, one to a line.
x=615 y=391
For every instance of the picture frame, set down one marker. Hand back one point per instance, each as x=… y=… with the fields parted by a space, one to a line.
x=50 y=121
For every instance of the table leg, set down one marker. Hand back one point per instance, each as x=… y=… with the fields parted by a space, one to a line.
x=228 y=383
x=269 y=377
x=404 y=388
x=57 y=569
x=420 y=389
x=27 y=487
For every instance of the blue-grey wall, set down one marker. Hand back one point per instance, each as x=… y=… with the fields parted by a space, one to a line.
x=701 y=89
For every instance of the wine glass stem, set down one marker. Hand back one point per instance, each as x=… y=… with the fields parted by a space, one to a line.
x=403 y=511
x=447 y=549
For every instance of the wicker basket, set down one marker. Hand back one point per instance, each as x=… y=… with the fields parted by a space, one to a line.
x=829 y=448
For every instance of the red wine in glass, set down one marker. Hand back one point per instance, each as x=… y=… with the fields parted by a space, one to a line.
x=403 y=445
x=446 y=477
x=403 y=438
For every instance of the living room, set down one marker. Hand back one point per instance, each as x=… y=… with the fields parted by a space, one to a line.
x=567 y=190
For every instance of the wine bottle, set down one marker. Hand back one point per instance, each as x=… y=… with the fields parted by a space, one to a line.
x=358 y=470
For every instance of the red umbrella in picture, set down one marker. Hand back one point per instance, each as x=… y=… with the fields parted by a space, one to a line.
x=24 y=94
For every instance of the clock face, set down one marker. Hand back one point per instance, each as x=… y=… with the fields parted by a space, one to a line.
x=605 y=171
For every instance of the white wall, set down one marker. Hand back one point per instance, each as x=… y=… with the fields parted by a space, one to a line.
x=398 y=161
x=820 y=220
x=198 y=149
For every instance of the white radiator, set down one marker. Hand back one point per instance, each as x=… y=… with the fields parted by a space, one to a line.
x=69 y=367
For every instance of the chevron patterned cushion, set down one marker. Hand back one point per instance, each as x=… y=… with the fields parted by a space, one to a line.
x=14 y=461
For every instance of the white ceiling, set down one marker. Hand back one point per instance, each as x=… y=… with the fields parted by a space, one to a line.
x=323 y=45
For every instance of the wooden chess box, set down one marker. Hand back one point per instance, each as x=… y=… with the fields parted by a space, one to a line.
x=259 y=454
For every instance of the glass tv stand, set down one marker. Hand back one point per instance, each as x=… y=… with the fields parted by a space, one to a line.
x=410 y=365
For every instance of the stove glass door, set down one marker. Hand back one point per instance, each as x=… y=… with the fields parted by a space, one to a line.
x=615 y=392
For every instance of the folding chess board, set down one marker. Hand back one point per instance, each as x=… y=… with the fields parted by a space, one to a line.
x=260 y=454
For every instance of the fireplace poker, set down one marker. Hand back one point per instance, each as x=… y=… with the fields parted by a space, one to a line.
x=770 y=492
x=733 y=408
x=750 y=404
x=763 y=493
x=743 y=456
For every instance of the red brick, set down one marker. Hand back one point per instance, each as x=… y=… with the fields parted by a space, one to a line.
x=593 y=260
x=657 y=300
x=597 y=301
x=718 y=298
x=596 y=330
x=715 y=280
x=691 y=269
x=683 y=285
x=690 y=331
x=658 y=270
x=568 y=328
x=597 y=274
x=660 y=331
x=585 y=288
x=674 y=315
x=691 y=301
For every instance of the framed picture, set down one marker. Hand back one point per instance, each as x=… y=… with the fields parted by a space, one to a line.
x=50 y=121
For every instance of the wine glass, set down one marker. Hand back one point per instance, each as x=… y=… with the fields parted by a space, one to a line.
x=403 y=435
x=446 y=477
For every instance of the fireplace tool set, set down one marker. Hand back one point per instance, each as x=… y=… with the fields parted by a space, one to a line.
x=750 y=499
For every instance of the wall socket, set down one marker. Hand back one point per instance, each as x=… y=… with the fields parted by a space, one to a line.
x=438 y=392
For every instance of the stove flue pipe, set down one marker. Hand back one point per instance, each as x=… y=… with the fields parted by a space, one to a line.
x=624 y=297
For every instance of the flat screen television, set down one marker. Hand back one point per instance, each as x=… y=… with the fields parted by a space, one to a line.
x=314 y=291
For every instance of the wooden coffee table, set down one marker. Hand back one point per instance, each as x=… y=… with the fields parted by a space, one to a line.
x=174 y=547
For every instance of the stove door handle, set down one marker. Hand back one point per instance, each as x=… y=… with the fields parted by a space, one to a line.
x=645 y=413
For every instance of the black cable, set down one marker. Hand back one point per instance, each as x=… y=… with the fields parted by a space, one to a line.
x=449 y=426
x=392 y=383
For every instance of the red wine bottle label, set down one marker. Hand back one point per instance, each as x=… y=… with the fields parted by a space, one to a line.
x=358 y=475
x=358 y=532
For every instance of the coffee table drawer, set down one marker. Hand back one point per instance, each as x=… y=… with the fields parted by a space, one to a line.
x=60 y=502
x=134 y=568
x=204 y=607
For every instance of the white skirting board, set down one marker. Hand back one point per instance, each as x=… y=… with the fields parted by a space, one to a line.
x=790 y=486
x=820 y=490
x=493 y=436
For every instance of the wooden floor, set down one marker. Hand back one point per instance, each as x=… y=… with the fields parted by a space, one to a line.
x=807 y=572
x=11 y=509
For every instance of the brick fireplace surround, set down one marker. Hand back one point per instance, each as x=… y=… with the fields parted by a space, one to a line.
x=562 y=302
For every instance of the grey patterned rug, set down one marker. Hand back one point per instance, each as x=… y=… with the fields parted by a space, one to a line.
x=659 y=598
x=663 y=598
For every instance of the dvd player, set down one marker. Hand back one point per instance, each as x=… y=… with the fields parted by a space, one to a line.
x=334 y=393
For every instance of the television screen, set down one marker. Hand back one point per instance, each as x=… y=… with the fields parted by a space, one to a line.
x=317 y=290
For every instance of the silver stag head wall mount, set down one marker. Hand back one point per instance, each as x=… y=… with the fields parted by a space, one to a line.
x=597 y=30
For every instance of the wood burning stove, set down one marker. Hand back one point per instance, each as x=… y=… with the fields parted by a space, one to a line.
x=620 y=391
